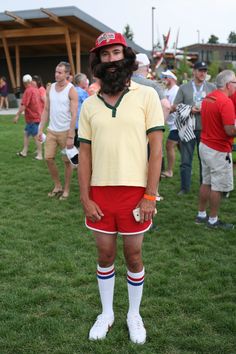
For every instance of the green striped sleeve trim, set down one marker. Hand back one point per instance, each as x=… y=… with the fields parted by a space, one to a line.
x=154 y=129
x=85 y=141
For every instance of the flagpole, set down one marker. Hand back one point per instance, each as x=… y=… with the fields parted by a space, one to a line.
x=153 y=9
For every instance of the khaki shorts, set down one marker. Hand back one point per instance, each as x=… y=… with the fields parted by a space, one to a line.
x=217 y=169
x=53 y=140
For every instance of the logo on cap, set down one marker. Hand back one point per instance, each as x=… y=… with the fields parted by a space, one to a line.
x=105 y=37
x=109 y=38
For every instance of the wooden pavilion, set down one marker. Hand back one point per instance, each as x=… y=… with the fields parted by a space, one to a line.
x=34 y=41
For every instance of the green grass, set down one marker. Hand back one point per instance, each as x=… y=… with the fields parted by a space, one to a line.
x=48 y=290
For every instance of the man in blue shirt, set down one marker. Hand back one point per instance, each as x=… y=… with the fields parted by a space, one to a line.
x=81 y=82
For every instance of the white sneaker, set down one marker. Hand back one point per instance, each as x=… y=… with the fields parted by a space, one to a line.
x=101 y=327
x=137 y=332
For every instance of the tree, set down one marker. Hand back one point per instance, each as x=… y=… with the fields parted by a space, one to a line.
x=214 y=67
x=213 y=39
x=232 y=37
x=128 y=33
x=183 y=69
x=230 y=66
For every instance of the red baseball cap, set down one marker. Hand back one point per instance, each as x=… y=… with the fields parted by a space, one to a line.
x=109 y=38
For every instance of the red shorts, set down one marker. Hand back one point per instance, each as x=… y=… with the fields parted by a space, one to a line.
x=117 y=204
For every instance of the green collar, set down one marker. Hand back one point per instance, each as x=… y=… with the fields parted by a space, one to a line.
x=114 y=108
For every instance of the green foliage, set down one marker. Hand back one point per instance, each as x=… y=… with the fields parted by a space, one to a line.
x=213 y=39
x=128 y=32
x=48 y=289
x=230 y=66
x=232 y=37
x=214 y=67
x=183 y=69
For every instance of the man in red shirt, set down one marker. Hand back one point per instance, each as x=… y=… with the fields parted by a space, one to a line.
x=218 y=130
x=31 y=105
x=233 y=98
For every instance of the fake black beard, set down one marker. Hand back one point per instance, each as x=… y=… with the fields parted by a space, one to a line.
x=115 y=81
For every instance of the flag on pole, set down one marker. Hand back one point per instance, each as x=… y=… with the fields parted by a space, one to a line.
x=166 y=40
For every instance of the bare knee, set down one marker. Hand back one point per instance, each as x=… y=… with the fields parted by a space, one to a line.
x=134 y=261
x=106 y=259
x=50 y=161
x=106 y=248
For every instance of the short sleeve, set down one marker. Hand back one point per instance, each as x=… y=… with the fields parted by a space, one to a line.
x=26 y=98
x=228 y=113
x=85 y=132
x=154 y=112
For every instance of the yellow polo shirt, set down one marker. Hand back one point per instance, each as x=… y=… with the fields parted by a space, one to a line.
x=118 y=135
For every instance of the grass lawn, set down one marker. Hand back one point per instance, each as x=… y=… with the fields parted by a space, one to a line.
x=48 y=290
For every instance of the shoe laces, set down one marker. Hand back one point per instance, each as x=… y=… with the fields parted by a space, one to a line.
x=136 y=322
x=101 y=321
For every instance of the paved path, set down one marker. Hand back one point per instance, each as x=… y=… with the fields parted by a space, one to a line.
x=4 y=112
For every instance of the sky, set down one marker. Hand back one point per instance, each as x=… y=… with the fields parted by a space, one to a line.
x=194 y=20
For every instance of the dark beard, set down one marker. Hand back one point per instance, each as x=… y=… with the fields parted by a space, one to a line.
x=115 y=81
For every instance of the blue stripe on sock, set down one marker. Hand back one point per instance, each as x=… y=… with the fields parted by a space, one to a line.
x=106 y=277
x=135 y=284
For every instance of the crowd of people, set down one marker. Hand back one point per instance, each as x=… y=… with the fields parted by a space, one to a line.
x=117 y=124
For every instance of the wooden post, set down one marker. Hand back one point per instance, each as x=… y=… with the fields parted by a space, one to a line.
x=78 y=53
x=69 y=51
x=9 y=63
x=18 y=78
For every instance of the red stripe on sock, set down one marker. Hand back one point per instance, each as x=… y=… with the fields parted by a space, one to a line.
x=105 y=273
x=135 y=279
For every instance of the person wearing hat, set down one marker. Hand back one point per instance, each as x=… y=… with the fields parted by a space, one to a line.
x=170 y=80
x=218 y=131
x=140 y=76
x=117 y=183
x=192 y=94
x=61 y=111
x=32 y=108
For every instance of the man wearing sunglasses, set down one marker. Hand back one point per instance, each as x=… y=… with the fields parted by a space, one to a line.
x=218 y=130
x=192 y=94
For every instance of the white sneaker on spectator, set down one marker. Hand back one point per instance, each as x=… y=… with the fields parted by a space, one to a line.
x=101 y=326
x=137 y=332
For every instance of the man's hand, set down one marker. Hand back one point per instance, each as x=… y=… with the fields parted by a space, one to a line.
x=92 y=211
x=70 y=142
x=195 y=110
x=40 y=137
x=147 y=209
x=15 y=119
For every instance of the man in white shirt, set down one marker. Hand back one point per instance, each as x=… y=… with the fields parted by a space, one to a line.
x=61 y=110
x=170 y=80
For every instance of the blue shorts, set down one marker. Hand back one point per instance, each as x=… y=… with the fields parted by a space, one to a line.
x=173 y=135
x=32 y=129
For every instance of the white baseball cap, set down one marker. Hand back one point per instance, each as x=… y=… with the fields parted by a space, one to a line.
x=27 y=78
x=73 y=155
x=168 y=74
x=142 y=59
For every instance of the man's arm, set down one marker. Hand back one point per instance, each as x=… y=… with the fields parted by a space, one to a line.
x=44 y=116
x=147 y=207
x=91 y=209
x=20 y=110
x=230 y=130
x=73 y=109
x=155 y=160
x=165 y=107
